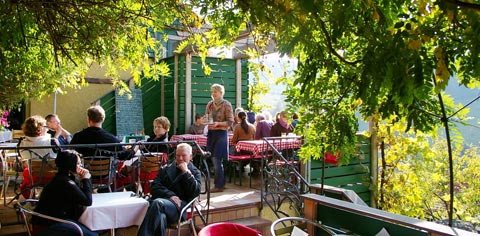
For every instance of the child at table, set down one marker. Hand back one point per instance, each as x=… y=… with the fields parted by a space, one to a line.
x=64 y=198
x=198 y=126
x=161 y=126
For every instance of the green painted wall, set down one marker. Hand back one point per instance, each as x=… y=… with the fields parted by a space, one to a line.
x=354 y=176
x=223 y=72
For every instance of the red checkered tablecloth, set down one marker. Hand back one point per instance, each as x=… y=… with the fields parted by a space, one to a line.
x=201 y=139
x=256 y=147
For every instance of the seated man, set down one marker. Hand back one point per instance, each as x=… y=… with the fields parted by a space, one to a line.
x=94 y=134
x=56 y=130
x=175 y=186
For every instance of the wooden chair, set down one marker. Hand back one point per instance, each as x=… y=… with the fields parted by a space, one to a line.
x=148 y=167
x=27 y=213
x=291 y=223
x=41 y=171
x=102 y=171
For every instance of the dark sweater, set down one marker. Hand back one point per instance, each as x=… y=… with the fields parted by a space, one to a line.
x=170 y=181
x=63 y=198
x=95 y=135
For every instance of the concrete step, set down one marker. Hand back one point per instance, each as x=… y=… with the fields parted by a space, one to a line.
x=255 y=222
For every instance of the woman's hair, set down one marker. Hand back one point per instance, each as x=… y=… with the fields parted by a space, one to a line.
x=33 y=125
x=67 y=161
x=243 y=121
x=162 y=120
x=282 y=114
x=219 y=87
x=96 y=114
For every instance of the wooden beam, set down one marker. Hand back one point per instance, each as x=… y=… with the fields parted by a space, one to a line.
x=98 y=81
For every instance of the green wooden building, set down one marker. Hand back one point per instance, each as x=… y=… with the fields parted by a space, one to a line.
x=179 y=96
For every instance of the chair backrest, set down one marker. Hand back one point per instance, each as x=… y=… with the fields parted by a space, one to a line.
x=153 y=162
x=290 y=223
x=192 y=211
x=27 y=213
x=101 y=169
x=41 y=171
x=149 y=165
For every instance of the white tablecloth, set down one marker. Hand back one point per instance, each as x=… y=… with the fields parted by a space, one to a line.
x=114 y=210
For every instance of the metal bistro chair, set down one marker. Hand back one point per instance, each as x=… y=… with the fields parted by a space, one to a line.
x=102 y=171
x=27 y=213
x=189 y=211
x=292 y=222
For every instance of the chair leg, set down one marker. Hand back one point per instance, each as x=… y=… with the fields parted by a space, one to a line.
x=240 y=167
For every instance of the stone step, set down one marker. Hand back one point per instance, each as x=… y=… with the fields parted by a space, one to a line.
x=255 y=222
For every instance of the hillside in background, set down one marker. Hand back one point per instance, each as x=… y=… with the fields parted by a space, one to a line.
x=462 y=95
x=280 y=66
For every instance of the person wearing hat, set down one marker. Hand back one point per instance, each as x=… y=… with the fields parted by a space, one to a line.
x=64 y=198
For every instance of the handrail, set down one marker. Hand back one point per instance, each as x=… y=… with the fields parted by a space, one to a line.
x=277 y=184
x=312 y=201
x=298 y=175
x=196 y=148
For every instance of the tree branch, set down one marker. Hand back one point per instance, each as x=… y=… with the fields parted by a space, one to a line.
x=330 y=47
x=466 y=5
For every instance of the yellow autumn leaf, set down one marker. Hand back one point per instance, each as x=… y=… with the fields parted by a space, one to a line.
x=441 y=73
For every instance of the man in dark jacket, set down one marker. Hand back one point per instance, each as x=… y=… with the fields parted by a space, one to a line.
x=175 y=186
x=95 y=134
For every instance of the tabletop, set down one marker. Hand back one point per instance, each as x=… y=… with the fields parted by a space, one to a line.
x=114 y=210
x=258 y=146
x=199 y=138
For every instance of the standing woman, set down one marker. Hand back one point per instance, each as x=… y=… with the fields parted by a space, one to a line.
x=220 y=116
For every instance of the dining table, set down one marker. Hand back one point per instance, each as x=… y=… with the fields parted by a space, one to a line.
x=114 y=210
x=260 y=150
x=199 y=138
x=260 y=147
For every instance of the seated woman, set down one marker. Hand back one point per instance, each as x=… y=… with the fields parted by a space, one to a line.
x=64 y=198
x=35 y=130
x=243 y=131
x=281 y=126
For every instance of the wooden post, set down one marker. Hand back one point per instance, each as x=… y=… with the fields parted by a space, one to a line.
x=188 y=91
x=310 y=212
x=373 y=162
x=175 y=96
x=238 y=83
